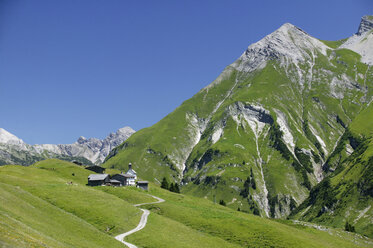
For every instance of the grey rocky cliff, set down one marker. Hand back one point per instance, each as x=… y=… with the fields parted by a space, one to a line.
x=14 y=151
x=362 y=41
x=366 y=24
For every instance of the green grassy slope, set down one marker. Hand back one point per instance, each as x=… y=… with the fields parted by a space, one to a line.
x=347 y=194
x=241 y=229
x=40 y=207
x=84 y=202
x=161 y=150
x=28 y=221
x=259 y=139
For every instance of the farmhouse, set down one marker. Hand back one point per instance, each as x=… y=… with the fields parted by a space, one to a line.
x=98 y=179
x=114 y=182
x=127 y=179
x=143 y=185
x=96 y=168
x=124 y=179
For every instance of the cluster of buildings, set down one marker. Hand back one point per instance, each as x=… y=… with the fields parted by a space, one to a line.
x=127 y=179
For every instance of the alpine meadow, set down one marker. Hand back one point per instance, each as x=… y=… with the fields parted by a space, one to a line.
x=276 y=152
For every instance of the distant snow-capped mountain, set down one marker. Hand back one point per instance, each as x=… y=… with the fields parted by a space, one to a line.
x=14 y=150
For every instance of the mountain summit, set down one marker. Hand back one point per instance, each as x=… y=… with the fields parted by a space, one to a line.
x=362 y=41
x=8 y=138
x=366 y=24
x=288 y=44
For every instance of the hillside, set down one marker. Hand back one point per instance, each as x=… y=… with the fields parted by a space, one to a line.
x=259 y=136
x=347 y=194
x=48 y=204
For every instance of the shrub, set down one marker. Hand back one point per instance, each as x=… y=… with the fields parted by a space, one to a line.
x=349 y=227
x=164 y=184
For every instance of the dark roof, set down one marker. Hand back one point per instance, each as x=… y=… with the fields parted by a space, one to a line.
x=97 y=177
x=95 y=166
x=142 y=182
x=123 y=175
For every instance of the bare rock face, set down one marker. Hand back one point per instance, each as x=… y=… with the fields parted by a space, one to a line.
x=362 y=41
x=288 y=44
x=366 y=24
x=14 y=151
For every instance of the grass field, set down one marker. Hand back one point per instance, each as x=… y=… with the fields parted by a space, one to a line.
x=49 y=205
x=243 y=229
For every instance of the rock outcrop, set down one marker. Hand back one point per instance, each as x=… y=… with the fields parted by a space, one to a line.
x=366 y=24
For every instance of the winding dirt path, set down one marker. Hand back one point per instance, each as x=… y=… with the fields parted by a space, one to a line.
x=142 y=223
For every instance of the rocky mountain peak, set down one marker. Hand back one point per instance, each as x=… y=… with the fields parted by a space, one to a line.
x=366 y=24
x=8 y=138
x=362 y=41
x=81 y=140
x=125 y=130
x=288 y=44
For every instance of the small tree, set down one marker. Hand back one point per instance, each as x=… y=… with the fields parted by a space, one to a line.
x=349 y=227
x=176 y=187
x=256 y=211
x=164 y=184
x=172 y=187
x=253 y=184
x=222 y=202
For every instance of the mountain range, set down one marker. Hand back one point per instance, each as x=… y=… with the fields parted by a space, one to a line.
x=273 y=130
x=14 y=150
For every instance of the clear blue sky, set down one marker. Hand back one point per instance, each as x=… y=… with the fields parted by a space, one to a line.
x=70 y=68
